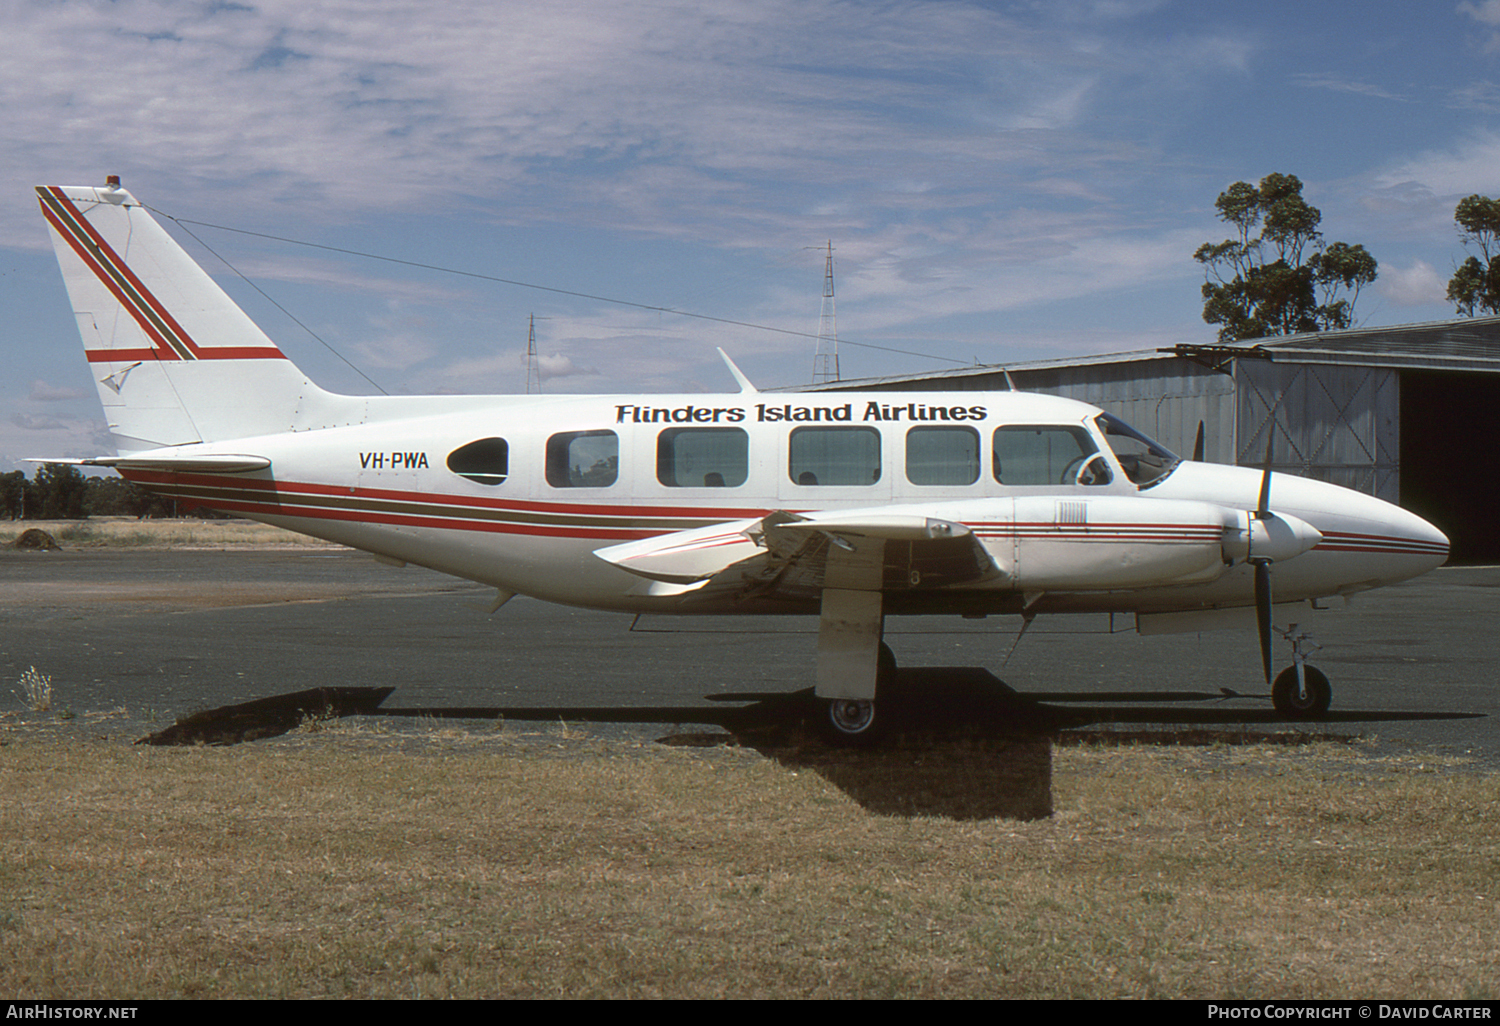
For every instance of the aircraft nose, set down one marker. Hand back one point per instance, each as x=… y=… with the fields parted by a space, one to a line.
x=1391 y=531
x=1375 y=542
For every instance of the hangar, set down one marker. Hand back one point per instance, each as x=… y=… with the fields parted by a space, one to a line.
x=1403 y=413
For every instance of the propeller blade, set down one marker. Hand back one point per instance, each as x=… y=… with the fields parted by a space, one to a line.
x=1263 y=507
x=1198 y=445
x=1263 y=612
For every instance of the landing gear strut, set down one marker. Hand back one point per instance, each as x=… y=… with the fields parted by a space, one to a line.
x=1300 y=692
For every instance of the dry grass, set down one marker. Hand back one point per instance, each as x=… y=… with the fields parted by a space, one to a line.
x=348 y=862
x=35 y=690
x=127 y=532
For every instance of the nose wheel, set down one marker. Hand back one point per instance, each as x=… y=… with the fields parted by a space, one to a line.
x=1300 y=692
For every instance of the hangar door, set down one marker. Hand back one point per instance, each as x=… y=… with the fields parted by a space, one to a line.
x=1450 y=470
x=1338 y=424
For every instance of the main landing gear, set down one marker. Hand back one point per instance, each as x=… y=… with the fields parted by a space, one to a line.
x=1300 y=692
x=855 y=721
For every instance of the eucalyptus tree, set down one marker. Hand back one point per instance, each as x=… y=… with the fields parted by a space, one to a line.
x=1475 y=285
x=1276 y=276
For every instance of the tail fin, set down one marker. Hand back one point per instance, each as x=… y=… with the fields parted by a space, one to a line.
x=175 y=360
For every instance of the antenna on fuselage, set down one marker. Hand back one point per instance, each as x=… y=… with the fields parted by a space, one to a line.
x=746 y=388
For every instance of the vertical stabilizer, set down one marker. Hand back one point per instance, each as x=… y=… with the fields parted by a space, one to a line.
x=175 y=360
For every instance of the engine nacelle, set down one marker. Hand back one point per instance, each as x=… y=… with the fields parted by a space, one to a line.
x=1110 y=542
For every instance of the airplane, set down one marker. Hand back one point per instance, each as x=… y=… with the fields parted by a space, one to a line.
x=850 y=506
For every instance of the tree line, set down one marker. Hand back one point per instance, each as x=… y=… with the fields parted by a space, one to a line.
x=58 y=491
x=1277 y=275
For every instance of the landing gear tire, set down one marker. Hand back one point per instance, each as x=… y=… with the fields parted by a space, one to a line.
x=1310 y=706
x=860 y=721
x=852 y=721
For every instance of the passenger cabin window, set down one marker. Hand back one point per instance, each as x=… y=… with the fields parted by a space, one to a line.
x=486 y=461
x=834 y=456
x=1049 y=455
x=1144 y=461
x=942 y=456
x=702 y=457
x=583 y=459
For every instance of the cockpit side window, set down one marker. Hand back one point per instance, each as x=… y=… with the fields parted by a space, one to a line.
x=485 y=461
x=1144 y=461
x=1048 y=454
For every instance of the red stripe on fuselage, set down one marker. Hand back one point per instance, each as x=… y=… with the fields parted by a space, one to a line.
x=443 y=511
x=1344 y=541
x=433 y=498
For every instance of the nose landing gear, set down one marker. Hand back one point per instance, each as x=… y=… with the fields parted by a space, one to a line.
x=1300 y=692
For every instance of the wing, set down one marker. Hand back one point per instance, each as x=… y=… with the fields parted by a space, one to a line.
x=1034 y=545
x=795 y=556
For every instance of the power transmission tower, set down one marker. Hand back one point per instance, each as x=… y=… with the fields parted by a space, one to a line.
x=533 y=369
x=826 y=359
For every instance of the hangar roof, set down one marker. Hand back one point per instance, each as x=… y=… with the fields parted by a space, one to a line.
x=983 y=370
x=1465 y=344
x=1470 y=343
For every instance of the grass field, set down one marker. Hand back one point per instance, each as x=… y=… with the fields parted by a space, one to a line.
x=345 y=860
x=127 y=532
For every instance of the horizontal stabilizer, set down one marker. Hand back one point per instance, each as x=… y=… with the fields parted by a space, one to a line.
x=215 y=463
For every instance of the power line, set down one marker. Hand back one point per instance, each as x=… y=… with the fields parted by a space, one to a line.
x=545 y=288
x=295 y=320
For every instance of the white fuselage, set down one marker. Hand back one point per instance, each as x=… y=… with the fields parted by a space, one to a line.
x=520 y=492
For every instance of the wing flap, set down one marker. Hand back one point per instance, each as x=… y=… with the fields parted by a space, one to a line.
x=685 y=557
x=791 y=555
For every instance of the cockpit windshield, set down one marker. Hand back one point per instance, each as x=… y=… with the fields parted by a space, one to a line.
x=1145 y=462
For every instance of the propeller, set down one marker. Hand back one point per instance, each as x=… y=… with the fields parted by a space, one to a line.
x=1263 y=611
x=1262 y=565
x=1198 y=445
x=1260 y=537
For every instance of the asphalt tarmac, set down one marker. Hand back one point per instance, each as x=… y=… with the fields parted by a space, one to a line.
x=159 y=634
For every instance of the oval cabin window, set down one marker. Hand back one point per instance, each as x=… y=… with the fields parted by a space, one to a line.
x=486 y=461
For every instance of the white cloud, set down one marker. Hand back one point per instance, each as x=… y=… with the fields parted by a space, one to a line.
x=968 y=159
x=45 y=392
x=1417 y=285
x=1471 y=166
x=672 y=108
x=1342 y=84
x=1486 y=12
x=33 y=422
x=1482 y=95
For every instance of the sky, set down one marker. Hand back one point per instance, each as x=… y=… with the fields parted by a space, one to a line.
x=1000 y=182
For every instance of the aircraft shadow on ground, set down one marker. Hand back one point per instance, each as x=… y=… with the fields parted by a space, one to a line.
x=969 y=746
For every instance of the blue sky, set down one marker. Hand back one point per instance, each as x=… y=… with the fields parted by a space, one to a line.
x=1001 y=182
